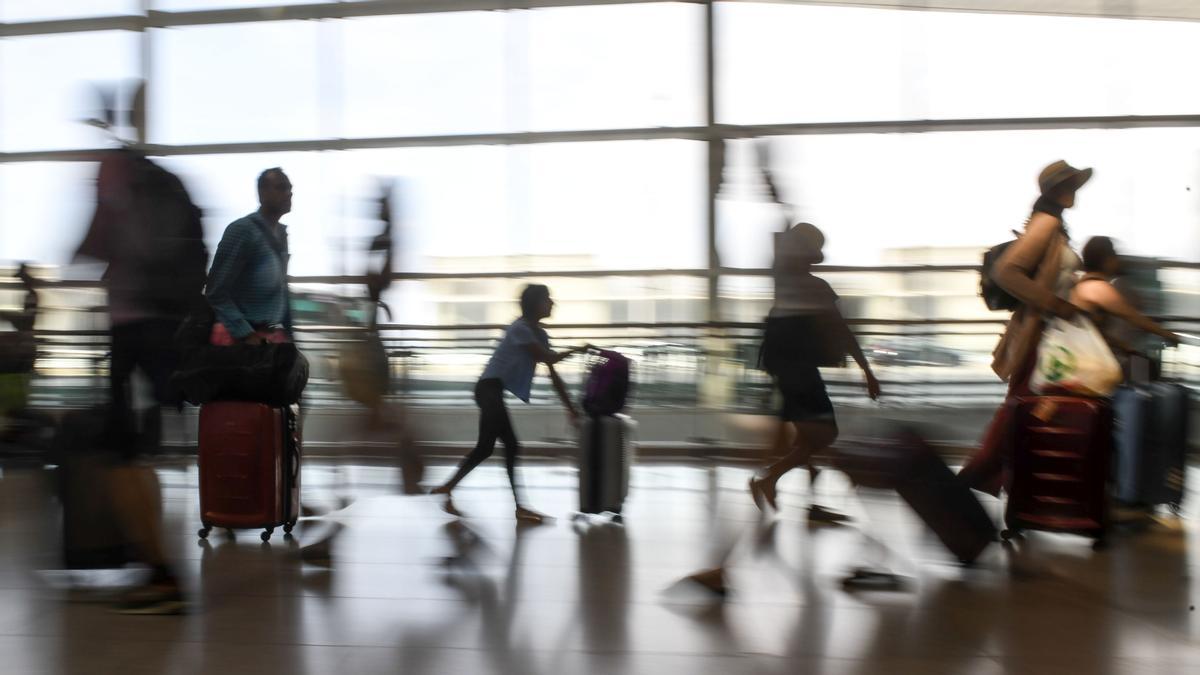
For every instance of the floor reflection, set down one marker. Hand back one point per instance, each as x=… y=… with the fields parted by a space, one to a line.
x=388 y=583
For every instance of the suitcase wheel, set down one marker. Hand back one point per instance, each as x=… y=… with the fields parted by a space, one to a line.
x=203 y=533
x=287 y=528
x=618 y=518
x=266 y=535
x=1176 y=508
x=1010 y=534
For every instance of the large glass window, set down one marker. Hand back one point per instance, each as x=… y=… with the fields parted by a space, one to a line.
x=939 y=197
x=547 y=69
x=801 y=63
x=610 y=66
x=45 y=208
x=424 y=74
x=561 y=206
x=934 y=197
x=238 y=82
x=52 y=83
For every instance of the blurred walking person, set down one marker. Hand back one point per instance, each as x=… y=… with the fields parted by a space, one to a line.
x=525 y=344
x=1038 y=270
x=148 y=231
x=805 y=330
x=18 y=354
x=364 y=365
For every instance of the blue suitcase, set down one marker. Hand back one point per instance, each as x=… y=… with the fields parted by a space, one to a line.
x=1150 y=433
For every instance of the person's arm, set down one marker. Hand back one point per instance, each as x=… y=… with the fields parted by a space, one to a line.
x=851 y=342
x=542 y=354
x=227 y=266
x=1015 y=269
x=561 y=389
x=1109 y=299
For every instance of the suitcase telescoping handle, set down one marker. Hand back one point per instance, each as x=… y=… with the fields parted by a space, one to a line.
x=1139 y=368
x=1174 y=368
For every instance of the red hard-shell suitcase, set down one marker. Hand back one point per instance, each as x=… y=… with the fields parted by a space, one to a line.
x=1061 y=450
x=249 y=467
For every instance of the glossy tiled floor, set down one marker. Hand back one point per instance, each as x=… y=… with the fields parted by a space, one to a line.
x=411 y=591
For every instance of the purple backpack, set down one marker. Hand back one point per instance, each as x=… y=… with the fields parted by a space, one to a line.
x=607 y=386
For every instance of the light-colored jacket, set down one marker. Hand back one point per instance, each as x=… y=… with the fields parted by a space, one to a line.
x=1032 y=270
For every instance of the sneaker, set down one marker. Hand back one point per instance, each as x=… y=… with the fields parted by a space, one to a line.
x=820 y=514
x=159 y=599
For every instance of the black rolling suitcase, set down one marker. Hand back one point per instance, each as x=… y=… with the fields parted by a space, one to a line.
x=606 y=451
x=906 y=463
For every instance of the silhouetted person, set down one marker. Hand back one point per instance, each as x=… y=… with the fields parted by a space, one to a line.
x=148 y=231
x=1038 y=269
x=805 y=329
x=23 y=320
x=20 y=348
x=18 y=353
x=247 y=284
x=511 y=368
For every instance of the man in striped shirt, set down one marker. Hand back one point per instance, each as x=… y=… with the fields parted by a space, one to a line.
x=247 y=284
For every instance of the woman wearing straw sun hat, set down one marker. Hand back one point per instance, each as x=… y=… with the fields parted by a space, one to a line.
x=1039 y=270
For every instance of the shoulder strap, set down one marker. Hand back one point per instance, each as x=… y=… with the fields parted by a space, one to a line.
x=278 y=244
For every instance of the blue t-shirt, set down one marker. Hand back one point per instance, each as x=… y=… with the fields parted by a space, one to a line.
x=512 y=363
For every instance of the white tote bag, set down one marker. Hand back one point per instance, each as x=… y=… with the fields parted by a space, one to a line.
x=1074 y=358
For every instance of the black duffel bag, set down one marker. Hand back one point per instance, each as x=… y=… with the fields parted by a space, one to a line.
x=274 y=374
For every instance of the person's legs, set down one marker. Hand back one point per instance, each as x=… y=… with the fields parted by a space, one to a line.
x=491 y=414
x=811 y=437
x=806 y=408
x=763 y=490
x=137 y=496
x=987 y=469
x=512 y=447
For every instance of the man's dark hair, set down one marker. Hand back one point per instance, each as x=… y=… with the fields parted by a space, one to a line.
x=1095 y=252
x=533 y=294
x=262 y=177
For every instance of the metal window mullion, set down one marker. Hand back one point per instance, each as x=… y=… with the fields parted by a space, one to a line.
x=146 y=64
x=151 y=18
x=716 y=153
x=367 y=8
x=699 y=133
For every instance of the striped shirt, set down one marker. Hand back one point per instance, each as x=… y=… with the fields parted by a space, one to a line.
x=247 y=283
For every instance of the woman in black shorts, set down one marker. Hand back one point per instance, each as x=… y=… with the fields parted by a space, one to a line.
x=805 y=330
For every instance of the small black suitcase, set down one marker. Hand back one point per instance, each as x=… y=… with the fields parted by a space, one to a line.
x=606 y=451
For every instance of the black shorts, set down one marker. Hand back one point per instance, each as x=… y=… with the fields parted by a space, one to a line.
x=804 y=395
